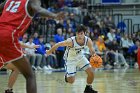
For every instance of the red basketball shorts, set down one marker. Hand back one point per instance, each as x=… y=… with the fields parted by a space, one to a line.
x=10 y=49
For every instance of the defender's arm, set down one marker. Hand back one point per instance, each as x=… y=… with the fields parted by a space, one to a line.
x=37 y=9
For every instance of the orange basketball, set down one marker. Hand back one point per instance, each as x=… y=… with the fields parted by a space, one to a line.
x=96 y=61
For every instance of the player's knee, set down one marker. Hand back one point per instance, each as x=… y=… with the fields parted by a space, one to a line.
x=71 y=80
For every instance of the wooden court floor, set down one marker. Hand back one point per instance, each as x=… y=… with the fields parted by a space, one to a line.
x=106 y=81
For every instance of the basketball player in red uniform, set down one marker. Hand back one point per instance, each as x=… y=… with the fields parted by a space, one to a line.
x=16 y=16
x=14 y=74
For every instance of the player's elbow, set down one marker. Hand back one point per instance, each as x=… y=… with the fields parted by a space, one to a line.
x=35 y=7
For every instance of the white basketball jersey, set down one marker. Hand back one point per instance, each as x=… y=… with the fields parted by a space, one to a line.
x=76 y=51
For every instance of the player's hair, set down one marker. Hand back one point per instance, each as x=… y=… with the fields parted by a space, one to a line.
x=81 y=28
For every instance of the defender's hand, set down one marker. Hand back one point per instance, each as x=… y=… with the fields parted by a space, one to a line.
x=60 y=15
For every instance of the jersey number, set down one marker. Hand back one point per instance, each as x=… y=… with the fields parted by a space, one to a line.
x=13 y=7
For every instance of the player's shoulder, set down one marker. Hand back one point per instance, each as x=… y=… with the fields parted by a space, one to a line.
x=88 y=40
x=70 y=39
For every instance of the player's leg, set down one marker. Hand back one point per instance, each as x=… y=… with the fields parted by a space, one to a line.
x=24 y=67
x=90 y=76
x=84 y=64
x=12 y=78
x=70 y=72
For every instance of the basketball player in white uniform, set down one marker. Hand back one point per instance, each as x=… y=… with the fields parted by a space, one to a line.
x=75 y=58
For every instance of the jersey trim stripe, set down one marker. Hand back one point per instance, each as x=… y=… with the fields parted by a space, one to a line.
x=86 y=41
x=21 y=22
x=85 y=66
x=67 y=52
x=1 y=62
x=15 y=59
x=25 y=27
x=13 y=39
x=71 y=73
x=72 y=42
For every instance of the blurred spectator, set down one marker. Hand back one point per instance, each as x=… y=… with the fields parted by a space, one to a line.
x=109 y=22
x=132 y=51
x=118 y=36
x=51 y=58
x=86 y=20
x=125 y=44
x=59 y=24
x=130 y=41
x=96 y=48
x=100 y=44
x=103 y=28
x=122 y=26
x=31 y=52
x=41 y=50
x=118 y=57
x=111 y=34
x=60 y=51
x=73 y=21
x=36 y=40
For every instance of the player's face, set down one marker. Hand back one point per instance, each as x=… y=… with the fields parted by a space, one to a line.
x=80 y=35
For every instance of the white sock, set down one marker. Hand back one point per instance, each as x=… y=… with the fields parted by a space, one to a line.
x=89 y=84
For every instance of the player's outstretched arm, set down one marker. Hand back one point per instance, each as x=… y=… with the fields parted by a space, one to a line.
x=90 y=45
x=2 y=6
x=67 y=42
x=37 y=9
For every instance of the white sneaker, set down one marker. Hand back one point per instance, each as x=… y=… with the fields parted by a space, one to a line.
x=39 y=68
x=34 y=68
x=108 y=66
x=136 y=65
x=45 y=68
x=126 y=65
x=50 y=67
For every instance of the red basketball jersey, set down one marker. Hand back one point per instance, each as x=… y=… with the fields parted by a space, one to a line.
x=13 y=22
x=15 y=18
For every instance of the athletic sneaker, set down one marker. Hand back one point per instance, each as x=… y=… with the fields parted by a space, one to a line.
x=39 y=68
x=34 y=68
x=89 y=89
x=45 y=68
x=9 y=91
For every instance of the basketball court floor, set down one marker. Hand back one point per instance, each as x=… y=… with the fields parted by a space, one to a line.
x=106 y=81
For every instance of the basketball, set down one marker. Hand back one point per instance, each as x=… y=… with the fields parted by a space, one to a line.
x=96 y=61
